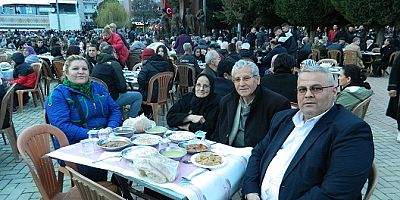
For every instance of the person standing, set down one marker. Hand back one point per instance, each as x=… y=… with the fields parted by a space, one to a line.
x=320 y=151
x=115 y=40
x=393 y=109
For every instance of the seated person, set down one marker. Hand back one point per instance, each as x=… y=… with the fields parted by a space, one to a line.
x=189 y=58
x=199 y=56
x=78 y=105
x=154 y=64
x=276 y=48
x=212 y=61
x=40 y=47
x=355 y=46
x=109 y=70
x=223 y=83
x=282 y=81
x=355 y=89
x=196 y=110
x=245 y=113
x=30 y=55
x=24 y=76
x=321 y=151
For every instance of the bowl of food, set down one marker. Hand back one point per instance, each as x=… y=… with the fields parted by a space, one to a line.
x=145 y=139
x=179 y=136
x=156 y=130
x=175 y=153
x=113 y=143
x=208 y=160
x=194 y=146
x=124 y=131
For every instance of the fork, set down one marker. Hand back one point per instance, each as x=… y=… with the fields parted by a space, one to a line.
x=194 y=175
x=119 y=155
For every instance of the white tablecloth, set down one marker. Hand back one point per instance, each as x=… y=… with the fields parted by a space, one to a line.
x=220 y=183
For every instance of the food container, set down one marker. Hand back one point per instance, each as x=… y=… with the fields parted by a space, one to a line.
x=124 y=131
x=113 y=143
x=156 y=130
x=195 y=146
x=145 y=139
x=175 y=153
x=179 y=136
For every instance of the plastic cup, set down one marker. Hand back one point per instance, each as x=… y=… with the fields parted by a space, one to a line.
x=87 y=146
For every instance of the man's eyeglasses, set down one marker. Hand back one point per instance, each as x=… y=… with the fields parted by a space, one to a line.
x=315 y=89
x=244 y=78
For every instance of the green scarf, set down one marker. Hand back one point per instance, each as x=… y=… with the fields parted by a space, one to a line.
x=84 y=88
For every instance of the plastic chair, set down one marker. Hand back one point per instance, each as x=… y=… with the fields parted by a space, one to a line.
x=350 y=57
x=36 y=92
x=335 y=54
x=47 y=77
x=137 y=67
x=332 y=62
x=7 y=104
x=58 y=69
x=361 y=109
x=184 y=84
x=372 y=182
x=163 y=79
x=34 y=144
x=92 y=78
x=91 y=190
x=315 y=54
x=173 y=88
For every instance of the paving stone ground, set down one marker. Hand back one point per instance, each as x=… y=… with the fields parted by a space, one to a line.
x=16 y=182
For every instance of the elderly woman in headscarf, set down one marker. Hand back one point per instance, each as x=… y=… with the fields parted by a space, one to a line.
x=196 y=110
x=30 y=55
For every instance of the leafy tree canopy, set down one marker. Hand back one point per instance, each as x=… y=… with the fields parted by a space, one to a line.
x=112 y=12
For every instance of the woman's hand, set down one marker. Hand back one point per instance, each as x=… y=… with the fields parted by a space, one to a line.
x=196 y=119
x=392 y=93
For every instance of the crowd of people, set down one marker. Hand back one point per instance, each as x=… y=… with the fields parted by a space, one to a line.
x=243 y=98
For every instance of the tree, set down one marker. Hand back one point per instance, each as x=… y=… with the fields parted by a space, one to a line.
x=309 y=13
x=145 y=10
x=371 y=13
x=112 y=11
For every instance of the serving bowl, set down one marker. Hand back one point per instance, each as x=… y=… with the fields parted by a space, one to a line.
x=175 y=153
x=124 y=131
x=194 y=146
x=156 y=130
x=113 y=143
x=179 y=136
x=145 y=139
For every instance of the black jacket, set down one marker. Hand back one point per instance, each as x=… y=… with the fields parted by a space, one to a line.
x=283 y=84
x=154 y=65
x=109 y=70
x=182 y=108
x=265 y=104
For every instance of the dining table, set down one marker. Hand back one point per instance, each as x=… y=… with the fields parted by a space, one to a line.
x=131 y=78
x=204 y=183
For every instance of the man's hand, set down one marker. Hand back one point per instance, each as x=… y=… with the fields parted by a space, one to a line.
x=252 y=196
x=184 y=127
x=392 y=93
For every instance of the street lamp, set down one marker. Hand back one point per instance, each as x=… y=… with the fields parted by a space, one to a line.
x=58 y=16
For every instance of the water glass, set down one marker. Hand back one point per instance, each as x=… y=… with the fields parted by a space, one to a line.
x=87 y=146
x=103 y=133
x=92 y=134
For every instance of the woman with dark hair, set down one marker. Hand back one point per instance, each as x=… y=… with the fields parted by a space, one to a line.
x=355 y=89
x=163 y=52
x=196 y=110
x=282 y=81
x=199 y=56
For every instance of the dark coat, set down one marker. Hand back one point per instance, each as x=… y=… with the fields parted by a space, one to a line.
x=109 y=70
x=283 y=84
x=393 y=109
x=265 y=104
x=223 y=86
x=180 y=40
x=183 y=108
x=154 y=65
x=334 y=160
x=266 y=60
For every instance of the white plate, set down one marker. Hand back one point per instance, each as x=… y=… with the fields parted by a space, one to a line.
x=145 y=139
x=180 y=136
x=193 y=159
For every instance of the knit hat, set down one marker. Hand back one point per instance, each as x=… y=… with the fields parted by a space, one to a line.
x=147 y=53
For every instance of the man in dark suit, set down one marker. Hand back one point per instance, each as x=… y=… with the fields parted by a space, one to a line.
x=321 y=151
x=245 y=113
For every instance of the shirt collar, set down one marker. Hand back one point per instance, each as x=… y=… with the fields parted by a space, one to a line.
x=298 y=117
x=244 y=104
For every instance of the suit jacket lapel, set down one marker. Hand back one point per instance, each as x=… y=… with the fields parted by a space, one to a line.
x=283 y=132
x=320 y=128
